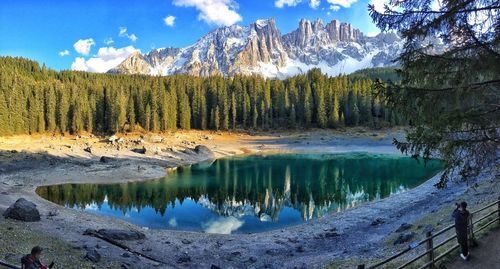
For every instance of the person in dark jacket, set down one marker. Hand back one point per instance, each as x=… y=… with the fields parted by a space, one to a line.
x=461 y=216
x=32 y=261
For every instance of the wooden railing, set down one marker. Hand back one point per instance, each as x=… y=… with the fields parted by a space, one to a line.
x=431 y=244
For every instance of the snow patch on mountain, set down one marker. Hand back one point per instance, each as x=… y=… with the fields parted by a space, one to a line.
x=261 y=49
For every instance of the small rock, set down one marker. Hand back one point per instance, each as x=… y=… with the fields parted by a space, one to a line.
x=378 y=221
x=121 y=234
x=140 y=150
x=138 y=141
x=404 y=227
x=125 y=255
x=331 y=234
x=23 y=210
x=112 y=138
x=404 y=237
x=185 y=241
x=87 y=149
x=252 y=259
x=184 y=258
x=215 y=267
x=300 y=249
x=236 y=253
x=53 y=213
x=93 y=256
x=147 y=249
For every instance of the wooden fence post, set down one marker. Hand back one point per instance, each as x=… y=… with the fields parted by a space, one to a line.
x=361 y=266
x=472 y=239
x=430 y=249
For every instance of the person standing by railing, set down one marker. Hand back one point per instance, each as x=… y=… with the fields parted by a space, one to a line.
x=461 y=216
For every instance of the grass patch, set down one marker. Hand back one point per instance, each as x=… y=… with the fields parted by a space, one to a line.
x=17 y=239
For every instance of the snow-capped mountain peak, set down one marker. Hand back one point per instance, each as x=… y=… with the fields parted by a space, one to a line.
x=260 y=48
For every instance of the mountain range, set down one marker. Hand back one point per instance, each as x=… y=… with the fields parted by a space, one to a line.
x=261 y=49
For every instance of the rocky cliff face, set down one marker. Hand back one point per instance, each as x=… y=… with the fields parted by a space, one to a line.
x=261 y=49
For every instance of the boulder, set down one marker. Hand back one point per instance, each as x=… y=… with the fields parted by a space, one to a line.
x=23 y=210
x=105 y=159
x=404 y=227
x=404 y=237
x=201 y=149
x=88 y=149
x=140 y=150
x=121 y=234
x=156 y=139
x=112 y=138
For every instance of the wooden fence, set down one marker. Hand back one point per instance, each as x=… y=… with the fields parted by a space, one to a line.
x=429 y=241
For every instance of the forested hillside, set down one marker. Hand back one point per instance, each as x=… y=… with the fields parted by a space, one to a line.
x=34 y=99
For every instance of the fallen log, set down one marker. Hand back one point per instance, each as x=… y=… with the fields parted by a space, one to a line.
x=94 y=233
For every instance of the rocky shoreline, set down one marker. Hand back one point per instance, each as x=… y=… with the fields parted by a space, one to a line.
x=362 y=233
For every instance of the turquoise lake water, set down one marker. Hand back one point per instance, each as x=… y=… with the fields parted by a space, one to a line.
x=247 y=194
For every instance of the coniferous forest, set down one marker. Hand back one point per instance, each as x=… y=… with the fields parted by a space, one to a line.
x=35 y=99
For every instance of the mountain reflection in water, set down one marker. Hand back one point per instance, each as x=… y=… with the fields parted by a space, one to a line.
x=250 y=193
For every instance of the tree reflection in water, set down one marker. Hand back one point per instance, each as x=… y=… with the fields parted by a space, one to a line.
x=276 y=189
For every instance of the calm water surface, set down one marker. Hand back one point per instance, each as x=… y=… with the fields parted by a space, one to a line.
x=250 y=193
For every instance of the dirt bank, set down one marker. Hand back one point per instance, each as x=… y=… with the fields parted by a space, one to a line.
x=30 y=161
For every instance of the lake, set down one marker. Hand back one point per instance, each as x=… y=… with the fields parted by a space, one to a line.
x=247 y=194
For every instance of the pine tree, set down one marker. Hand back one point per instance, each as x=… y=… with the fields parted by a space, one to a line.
x=50 y=109
x=62 y=110
x=334 y=113
x=131 y=112
x=307 y=106
x=452 y=97
x=4 y=116
x=184 y=112
x=147 y=124
x=233 y=111
x=293 y=117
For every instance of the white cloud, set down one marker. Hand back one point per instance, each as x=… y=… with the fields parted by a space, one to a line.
x=343 y=3
x=132 y=37
x=219 y=12
x=123 y=33
x=109 y=41
x=334 y=8
x=106 y=58
x=83 y=46
x=223 y=225
x=172 y=222
x=379 y=5
x=64 y=53
x=283 y=3
x=314 y=4
x=169 y=20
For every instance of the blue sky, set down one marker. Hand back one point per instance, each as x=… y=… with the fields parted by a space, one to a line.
x=77 y=33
